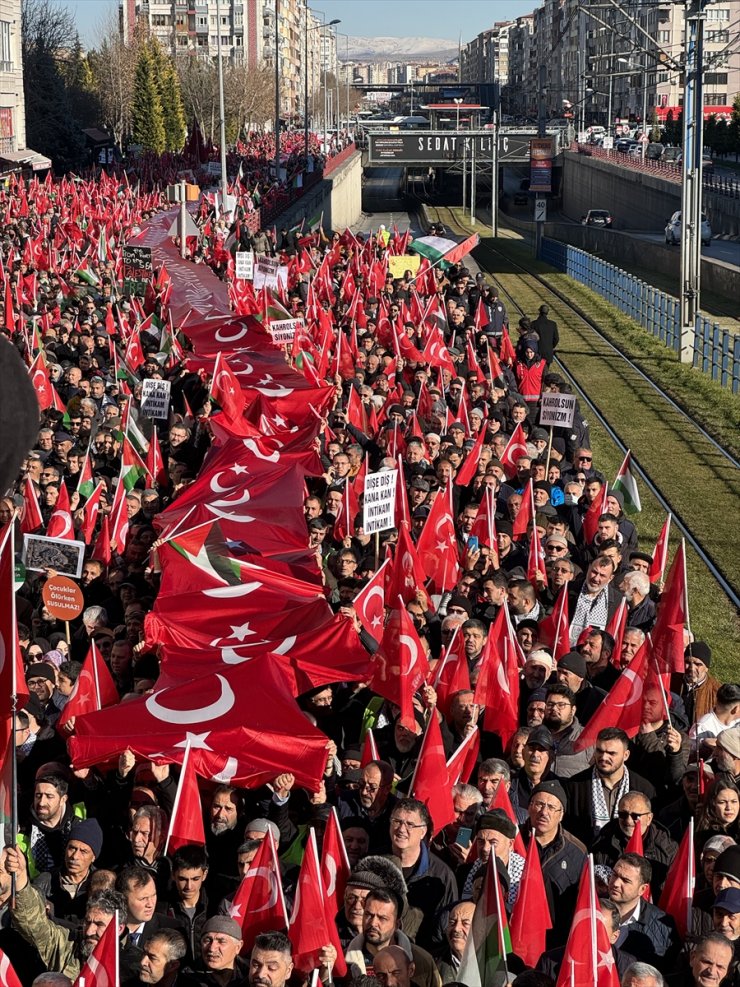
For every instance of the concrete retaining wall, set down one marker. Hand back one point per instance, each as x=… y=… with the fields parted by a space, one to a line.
x=637 y=200
x=624 y=250
x=338 y=196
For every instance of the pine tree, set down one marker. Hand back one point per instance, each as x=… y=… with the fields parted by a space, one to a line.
x=168 y=86
x=147 y=117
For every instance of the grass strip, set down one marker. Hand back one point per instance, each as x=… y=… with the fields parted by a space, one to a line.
x=690 y=473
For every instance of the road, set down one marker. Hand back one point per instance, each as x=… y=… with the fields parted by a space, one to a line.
x=727 y=251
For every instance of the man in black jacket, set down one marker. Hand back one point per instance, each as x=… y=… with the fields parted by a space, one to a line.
x=645 y=931
x=594 y=794
x=547 y=330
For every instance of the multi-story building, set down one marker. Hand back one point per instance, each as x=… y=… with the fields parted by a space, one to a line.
x=12 y=104
x=612 y=62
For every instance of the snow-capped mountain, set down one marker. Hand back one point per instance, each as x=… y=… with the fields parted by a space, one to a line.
x=393 y=49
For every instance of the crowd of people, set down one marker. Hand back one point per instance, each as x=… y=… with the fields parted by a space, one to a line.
x=458 y=673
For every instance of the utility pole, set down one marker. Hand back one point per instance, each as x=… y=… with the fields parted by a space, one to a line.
x=541 y=132
x=221 y=113
x=305 y=80
x=691 y=190
x=465 y=172
x=277 y=92
x=473 y=180
x=494 y=177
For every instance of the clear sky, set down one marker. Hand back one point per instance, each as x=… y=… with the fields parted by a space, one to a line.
x=365 y=18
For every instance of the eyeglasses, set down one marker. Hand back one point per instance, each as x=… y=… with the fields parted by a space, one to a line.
x=408 y=826
x=562 y=705
x=545 y=807
x=556 y=548
x=365 y=787
x=585 y=459
x=634 y=816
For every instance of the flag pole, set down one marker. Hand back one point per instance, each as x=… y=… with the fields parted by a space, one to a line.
x=593 y=901
x=10 y=543
x=686 y=587
x=663 y=694
x=117 y=972
x=178 y=795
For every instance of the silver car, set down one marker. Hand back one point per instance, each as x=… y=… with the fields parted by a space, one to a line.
x=673 y=229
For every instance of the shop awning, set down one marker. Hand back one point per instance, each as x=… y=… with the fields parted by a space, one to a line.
x=26 y=158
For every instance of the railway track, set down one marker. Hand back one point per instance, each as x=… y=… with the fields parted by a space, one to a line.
x=670 y=452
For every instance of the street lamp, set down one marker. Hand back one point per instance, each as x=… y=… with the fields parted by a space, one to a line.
x=221 y=111
x=316 y=27
x=457 y=100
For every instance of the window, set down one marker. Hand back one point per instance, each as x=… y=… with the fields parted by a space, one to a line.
x=718 y=37
x=718 y=14
x=664 y=37
x=6 y=50
x=715 y=99
x=715 y=79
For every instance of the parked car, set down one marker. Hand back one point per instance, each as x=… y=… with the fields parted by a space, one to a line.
x=597 y=217
x=673 y=229
x=625 y=144
x=706 y=162
x=654 y=151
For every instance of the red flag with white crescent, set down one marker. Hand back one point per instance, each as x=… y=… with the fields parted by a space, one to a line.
x=431 y=783
x=259 y=904
x=401 y=663
x=369 y=604
x=516 y=447
x=335 y=866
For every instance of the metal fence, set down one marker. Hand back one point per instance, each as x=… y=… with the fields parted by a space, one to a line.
x=716 y=350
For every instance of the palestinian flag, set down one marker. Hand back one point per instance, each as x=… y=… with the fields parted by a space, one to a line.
x=86 y=274
x=205 y=548
x=440 y=250
x=133 y=467
x=483 y=962
x=627 y=486
x=86 y=483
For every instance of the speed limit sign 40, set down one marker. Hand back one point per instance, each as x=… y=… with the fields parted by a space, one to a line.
x=540 y=210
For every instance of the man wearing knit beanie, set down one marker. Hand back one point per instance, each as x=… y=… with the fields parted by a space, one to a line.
x=67 y=887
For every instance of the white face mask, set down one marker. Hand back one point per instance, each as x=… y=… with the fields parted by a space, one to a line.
x=571 y=499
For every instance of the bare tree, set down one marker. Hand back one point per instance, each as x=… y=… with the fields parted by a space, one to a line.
x=249 y=97
x=47 y=28
x=113 y=64
x=199 y=87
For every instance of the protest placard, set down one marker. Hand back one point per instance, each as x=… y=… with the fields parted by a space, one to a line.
x=266 y=272
x=557 y=409
x=284 y=330
x=378 y=509
x=244 y=265
x=155 y=398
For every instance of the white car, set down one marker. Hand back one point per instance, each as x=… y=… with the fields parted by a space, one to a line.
x=673 y=229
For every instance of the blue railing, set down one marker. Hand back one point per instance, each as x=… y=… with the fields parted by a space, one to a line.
x=716 y=351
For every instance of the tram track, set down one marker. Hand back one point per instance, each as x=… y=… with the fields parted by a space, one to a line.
x=668 y=454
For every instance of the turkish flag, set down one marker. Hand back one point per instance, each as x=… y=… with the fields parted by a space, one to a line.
x=623 y=706
x=41 y=383
x=12 y=678
x=154 y=461
x=186 y=821
x=407 y=574
x=335 y=866
x=90 y=513
x=118 y=520
x=259 y=903
x=243 y=725
x=484 y=526
x=525 y=515
x=554 y=630
x=660 y=553
x=369 y=604
x=437 y=544
x=8 y=976
x=516 y=447
x=678 y=890
x=530 y=918
x=102 y=550
x=312 y=927
x=451 y=674
x=497 y=687
x=369 y=749
x=402 y=512
x=502 y=801
x=469 y=468
x=101 y=967
x=401 y=664
x=60 y=522
x=588 y=955
x=635 y=845
x=431 y=781
x=673 y=615
x=616 y=627
x=32 y=518
x=226 y=390
x=592 y=515
x=344 y=526
x=461 y=763
x=436 y=353
x=93 y=690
